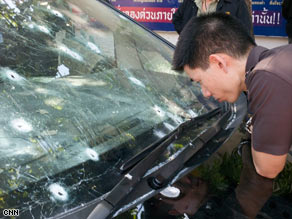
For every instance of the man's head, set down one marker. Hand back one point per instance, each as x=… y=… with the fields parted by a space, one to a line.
x=213 y=49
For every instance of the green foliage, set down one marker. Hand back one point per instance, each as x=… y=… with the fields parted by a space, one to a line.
x=283 y=183
x=222 y=173
x=211 y=174
x=231 y=166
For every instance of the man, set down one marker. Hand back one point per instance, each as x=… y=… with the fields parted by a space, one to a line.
x=287 y=14
x=216 y=51
x=191 y=8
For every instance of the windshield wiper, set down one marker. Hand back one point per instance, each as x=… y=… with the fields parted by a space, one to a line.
x=141 y=163
x=188 y=124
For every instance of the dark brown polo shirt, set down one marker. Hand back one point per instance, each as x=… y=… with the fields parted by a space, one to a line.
x=269 y=85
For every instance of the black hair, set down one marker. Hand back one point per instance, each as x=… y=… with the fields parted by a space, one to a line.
x=209 y=34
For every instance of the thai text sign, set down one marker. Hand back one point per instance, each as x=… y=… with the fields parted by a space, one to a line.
x=154 y=14
x=157 y=14
x=267 y=18
x=160 y=15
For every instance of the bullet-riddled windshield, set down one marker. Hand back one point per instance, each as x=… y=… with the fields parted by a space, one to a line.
x=83 y=89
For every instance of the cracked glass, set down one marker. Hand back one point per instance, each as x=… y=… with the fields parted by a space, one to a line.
x=83 y=89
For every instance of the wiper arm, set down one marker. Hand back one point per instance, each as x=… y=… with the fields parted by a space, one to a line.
x=186 y=125
x=125 y=186
x=147 y=158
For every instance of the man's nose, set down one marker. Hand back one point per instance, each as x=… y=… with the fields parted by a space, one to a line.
x=206 y=93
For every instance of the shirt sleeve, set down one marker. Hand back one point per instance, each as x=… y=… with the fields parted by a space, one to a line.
x=270 y=102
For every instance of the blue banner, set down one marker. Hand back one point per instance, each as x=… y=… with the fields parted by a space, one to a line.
x=154 y=14
x=267 y=18
x=157 y=14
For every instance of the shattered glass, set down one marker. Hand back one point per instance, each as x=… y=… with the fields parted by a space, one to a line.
x=83 y=89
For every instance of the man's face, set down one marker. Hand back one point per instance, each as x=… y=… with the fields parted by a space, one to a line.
x=217 y=81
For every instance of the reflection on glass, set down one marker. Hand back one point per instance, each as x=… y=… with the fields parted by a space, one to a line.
x=79 y=83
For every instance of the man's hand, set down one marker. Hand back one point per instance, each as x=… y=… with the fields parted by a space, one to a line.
x=268 y=165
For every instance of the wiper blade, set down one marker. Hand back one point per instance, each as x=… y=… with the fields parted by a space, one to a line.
x=147 y=158
x=188 y=124
x=185 y=158
x=125 y=186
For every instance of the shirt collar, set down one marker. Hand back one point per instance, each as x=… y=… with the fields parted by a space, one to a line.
x=254 y=57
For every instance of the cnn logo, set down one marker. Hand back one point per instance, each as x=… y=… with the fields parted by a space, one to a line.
x=11 y=212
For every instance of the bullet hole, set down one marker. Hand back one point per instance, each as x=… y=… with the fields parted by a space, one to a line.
x=58 y=192
x=21 y=125
x=158 y=111
x=92 y=154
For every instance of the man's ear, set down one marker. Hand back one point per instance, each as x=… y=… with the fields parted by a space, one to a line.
x=219 y=61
